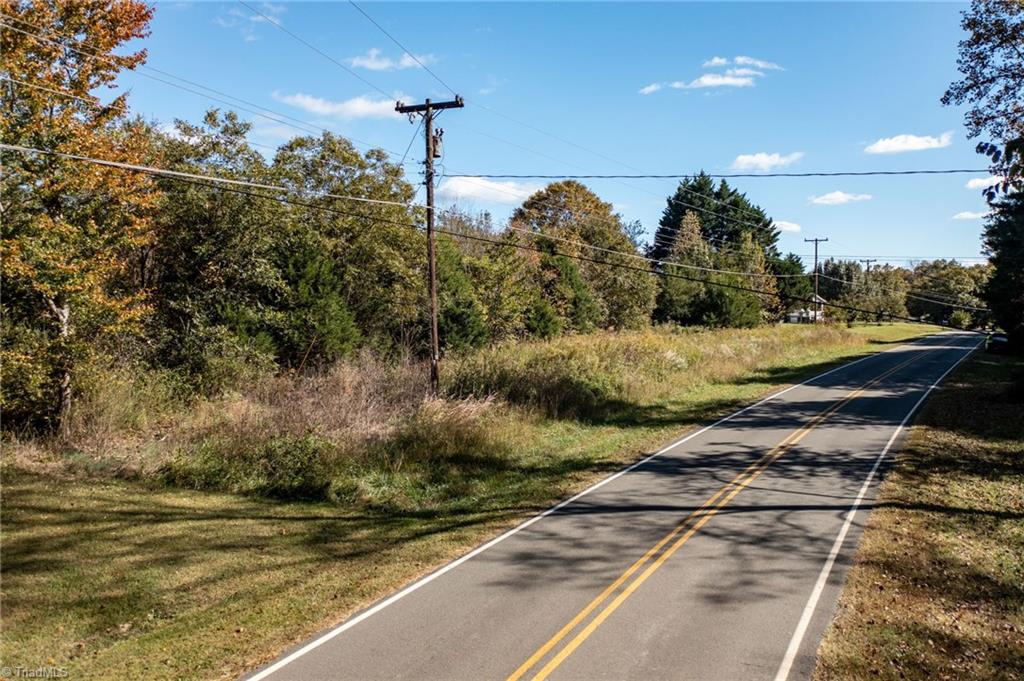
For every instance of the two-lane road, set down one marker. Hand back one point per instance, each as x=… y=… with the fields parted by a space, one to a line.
x=720 y=557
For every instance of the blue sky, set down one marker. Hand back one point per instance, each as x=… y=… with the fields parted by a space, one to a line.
x=661 y=88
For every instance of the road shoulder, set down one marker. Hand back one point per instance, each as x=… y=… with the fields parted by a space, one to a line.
x=937 y=589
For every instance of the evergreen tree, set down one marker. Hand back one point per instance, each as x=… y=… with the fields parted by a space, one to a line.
x=461 y=319
x=795 y=287
x=1004 y=239
x=724 y=213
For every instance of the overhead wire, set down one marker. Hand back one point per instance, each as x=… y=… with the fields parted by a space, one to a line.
x=311 y=46
x=192 y=178
x=728 y=176
x=217 y=96
x=195 y=176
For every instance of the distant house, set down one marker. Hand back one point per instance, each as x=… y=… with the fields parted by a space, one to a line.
x=806 y=316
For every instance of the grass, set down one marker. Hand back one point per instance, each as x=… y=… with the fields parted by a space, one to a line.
x=937 y=590
x=109 y=571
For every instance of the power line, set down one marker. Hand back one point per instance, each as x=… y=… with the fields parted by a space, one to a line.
x=403 y=48
x=86 y=100
x=191 y=178
x=660 y=273
x=179 y=174
x=442 y=82
x=311 y=46
x=681 y=176
x=276 y=116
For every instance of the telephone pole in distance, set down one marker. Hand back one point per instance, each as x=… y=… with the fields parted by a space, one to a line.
x=433 y=146
x=817 y=305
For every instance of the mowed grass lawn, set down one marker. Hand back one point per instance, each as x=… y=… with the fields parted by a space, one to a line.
x=937 y=590
x=129 y=579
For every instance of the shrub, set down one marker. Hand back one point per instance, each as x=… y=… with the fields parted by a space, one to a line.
x=282 y=467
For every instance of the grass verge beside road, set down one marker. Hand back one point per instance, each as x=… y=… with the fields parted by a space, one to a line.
x=937 y=590
x=113 y=578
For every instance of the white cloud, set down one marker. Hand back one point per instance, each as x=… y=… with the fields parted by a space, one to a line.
x=970 y=215
x=481 y=189
x=756 y=63
x=374 y=60
x=787 y=226
x=734 y=77
x=357 y=107
x=984 y=182
x=744 y=72
x=902 y=143
x=713 y=80
x=245 y=21
x=763 y=162
x=838 y=197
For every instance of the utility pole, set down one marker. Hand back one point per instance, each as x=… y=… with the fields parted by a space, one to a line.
x=433 y=146
x=817 y=305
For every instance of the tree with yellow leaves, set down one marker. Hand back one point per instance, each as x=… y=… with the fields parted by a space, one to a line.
x=69 y=229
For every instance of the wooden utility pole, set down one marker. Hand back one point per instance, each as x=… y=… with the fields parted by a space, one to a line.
x=433 y=143
x=817 y=305
x=867 y=266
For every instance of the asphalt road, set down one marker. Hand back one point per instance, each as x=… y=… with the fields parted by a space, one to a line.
x=721 y=557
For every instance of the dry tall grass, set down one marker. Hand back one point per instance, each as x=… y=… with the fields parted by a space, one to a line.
x=363 y=432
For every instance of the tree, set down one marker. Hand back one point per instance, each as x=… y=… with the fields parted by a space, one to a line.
x=795 y=286
x=218 y=264
x=461 y=317
x=937 y=287
x=992 y=63
x=380 y=256
x=838 y=277
x=573 y=215
x=69 y=229
x=680 y=300
x=724 y=213
x=1004 y=239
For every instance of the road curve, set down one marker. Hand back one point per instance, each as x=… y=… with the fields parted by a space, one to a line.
x=720 y=557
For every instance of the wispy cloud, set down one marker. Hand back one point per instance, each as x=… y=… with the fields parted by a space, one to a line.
x=356 y=107
x=903 y=143
x=787 y=226
x=763 y=162
x=744 y=73
x=480 y=189
x=245 y=22
x=757 y=63
x=984 y=182
x=712 y=80
x=837 y=198
x=374 y=60
x=493 y=83
x=970 y=215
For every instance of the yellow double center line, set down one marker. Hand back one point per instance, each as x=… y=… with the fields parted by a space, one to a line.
x=681 y=533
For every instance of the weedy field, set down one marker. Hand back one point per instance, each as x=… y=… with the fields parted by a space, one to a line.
x=194 y=540
x=937 y=591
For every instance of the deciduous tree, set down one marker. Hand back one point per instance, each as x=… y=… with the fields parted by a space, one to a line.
x=69 y=229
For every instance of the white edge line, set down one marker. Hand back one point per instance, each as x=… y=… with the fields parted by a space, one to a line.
x=826 y=569
x=348 y=624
